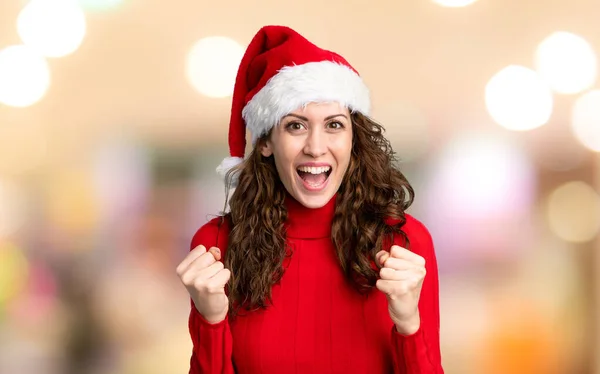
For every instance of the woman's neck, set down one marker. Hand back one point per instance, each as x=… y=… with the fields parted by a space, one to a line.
x=307 y=223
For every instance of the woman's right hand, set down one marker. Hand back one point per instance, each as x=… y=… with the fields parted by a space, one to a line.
x=205 y=277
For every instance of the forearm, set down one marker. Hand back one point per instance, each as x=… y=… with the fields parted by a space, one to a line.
x=409 y=326
x=212 y=346
x=416 y=353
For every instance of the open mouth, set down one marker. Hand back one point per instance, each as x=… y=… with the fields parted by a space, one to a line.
x=314 y=177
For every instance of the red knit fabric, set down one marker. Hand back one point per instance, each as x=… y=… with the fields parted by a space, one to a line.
x=318 y=323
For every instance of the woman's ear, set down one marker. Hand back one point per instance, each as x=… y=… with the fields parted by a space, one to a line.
x=265 y=148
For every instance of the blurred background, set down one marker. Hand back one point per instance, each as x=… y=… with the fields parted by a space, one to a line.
x=114 y=115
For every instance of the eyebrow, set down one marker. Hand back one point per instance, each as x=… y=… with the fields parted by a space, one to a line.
x=306 y=119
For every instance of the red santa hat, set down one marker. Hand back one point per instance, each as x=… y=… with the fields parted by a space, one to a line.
x=280 y=72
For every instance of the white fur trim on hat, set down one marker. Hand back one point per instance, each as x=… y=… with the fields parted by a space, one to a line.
x=295 y=86
x=227 y=164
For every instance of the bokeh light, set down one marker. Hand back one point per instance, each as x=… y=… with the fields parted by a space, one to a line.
x=484 y=175
x=54 y=27
x=13 y=272
x=38 y=297
x=573 y=212
x=24 y=76
x=567 y=62
x=507 y=350
x=585 y=120
x=454 y=3
x=518 y=99
x=478 y=199
x=212 y=65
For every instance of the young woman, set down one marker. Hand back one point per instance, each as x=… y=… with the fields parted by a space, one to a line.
x=316 y=268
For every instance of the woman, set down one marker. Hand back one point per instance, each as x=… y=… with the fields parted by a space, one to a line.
x=310 y=271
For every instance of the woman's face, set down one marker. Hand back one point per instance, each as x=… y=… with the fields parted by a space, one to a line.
x=311 y=147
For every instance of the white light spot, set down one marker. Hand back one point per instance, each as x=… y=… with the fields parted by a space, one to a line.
x=518 y=99
x=54 y=27
x=585 y=120
x=212 y=65
x=567 y=62
x=24 y=76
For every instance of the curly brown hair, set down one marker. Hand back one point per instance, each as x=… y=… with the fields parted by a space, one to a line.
x=372 y=190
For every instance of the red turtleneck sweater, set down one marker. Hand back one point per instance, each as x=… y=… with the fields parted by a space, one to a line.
x=318 y=323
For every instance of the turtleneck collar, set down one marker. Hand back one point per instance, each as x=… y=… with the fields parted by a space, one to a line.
x=307 y=223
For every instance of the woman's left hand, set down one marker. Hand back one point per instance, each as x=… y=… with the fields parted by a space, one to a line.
x=401 y=279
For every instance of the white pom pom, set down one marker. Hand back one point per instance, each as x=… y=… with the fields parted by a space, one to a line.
x=227 y=164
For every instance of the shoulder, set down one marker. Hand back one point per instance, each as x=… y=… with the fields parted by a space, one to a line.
x=213 y=233
x=419 y=237
x=417 y=231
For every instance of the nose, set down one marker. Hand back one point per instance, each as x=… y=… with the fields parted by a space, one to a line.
x=316 y=143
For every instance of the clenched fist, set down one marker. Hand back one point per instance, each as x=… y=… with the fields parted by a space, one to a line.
x=401 y=279
x=205 y=277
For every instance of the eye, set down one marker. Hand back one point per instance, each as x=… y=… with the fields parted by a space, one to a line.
x=335 y=125
x=294 y=126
